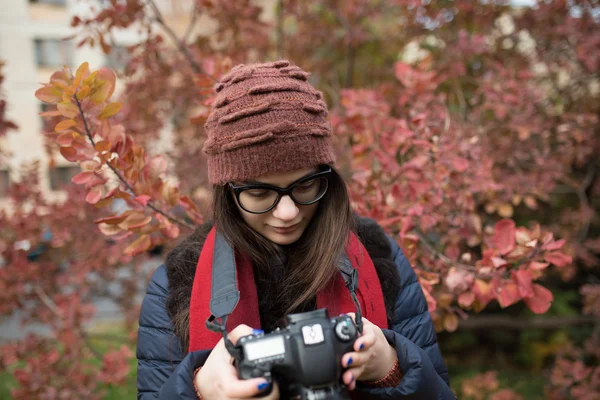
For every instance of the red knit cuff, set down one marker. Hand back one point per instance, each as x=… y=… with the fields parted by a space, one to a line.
x=392 y=379
x=194 y=381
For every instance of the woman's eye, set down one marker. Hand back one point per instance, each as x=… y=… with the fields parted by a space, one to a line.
x=306 y=185
x=257 y=192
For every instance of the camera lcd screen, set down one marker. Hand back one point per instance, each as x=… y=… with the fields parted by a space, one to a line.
x=265 y=348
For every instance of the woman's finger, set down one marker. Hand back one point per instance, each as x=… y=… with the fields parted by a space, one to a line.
x=366 y=341
x=241 y=389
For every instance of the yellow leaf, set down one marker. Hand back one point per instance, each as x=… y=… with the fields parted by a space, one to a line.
x=82 y=71
x=140 y=245
x=105 y=87
x=84 y=92
x=110 y=110
x=64 y=125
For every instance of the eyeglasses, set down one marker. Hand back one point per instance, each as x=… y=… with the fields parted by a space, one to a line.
x=261 y=198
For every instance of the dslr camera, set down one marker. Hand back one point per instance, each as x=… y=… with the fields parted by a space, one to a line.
x=304 y=357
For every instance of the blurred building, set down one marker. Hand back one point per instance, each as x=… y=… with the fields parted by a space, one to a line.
x=32 y=46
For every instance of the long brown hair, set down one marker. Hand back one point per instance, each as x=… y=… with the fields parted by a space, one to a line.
x=312 y=260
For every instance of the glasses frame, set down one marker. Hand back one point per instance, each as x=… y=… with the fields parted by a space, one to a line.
x=238 y=189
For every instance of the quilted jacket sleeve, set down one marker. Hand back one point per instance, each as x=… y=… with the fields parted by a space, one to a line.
x=164 y=372
x=425 y=375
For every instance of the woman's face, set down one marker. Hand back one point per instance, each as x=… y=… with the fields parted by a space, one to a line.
x=285 y=223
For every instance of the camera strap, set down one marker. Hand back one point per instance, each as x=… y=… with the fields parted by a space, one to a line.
x=225 y=294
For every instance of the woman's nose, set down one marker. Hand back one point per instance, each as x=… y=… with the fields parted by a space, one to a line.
x=286 y=209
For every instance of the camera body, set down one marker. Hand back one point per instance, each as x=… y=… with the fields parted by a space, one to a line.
x=306 y=354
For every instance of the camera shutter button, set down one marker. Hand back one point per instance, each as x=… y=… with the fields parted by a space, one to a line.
x=345 y=330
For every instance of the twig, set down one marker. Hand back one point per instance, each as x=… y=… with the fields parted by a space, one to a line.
x=191 y=25
x=48 y=302
x=180 y=44
x=441 y=256
x=88 y=133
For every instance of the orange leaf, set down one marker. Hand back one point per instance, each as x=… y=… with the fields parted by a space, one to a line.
x=55 y=113
x=48 y=94
x=64 y=125
x=559 y=259
x=110 y=110
x=82 y=72
x=135 y=220
x=140 y=245
x=541 y=301
x=69 y=153
x=68 y=109
x=504 y=236
x=103 y=145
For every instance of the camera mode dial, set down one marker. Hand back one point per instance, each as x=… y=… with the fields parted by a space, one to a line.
x=345 y=330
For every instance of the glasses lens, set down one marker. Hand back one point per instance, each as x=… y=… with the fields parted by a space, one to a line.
x=257 y=200
x=310 y=190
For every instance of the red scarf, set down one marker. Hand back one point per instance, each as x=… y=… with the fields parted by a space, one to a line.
x=335 y=297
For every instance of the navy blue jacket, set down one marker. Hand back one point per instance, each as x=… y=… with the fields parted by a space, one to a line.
x=165 y=372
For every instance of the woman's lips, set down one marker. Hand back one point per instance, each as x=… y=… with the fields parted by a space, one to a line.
x=289 y=229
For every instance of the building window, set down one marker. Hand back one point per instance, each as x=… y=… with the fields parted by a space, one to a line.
x=61 y=176
x=48 y=123
x=117 y=58
x=53 y=53
x=53 y=2
x=4 y=183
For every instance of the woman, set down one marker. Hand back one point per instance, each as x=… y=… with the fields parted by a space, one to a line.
x=285 y=210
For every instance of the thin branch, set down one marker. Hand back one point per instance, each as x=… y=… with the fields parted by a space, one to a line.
x=280 y=36
x=191 y=25
x=88 y=133
x=476 y=322
x=48 y=302
x=178 y=42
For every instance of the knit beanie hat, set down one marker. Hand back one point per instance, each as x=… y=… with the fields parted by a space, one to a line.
x=266 y=118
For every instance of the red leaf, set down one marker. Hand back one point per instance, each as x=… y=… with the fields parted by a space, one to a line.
x=498 y=262
x=523 y=280
x=508 y=294
x=541 y=301
x=466 y=299
x=460 y=164
x=143 y=199
x=554 y=245
x=94 y=195
x=504 y=236
x=82 y=177
x=538 y=266
x=559 y=259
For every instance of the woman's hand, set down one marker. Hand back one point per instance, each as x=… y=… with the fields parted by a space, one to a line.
x=372 y=359
x=218 y=379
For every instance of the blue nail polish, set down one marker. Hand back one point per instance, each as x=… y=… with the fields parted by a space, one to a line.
x=349 y=362
x=263 y=386
x=362 y=346
x=257 y=331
